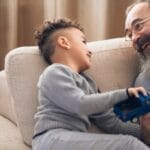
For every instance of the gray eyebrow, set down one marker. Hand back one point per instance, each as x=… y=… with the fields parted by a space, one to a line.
x=133 y=22
x=136 y=20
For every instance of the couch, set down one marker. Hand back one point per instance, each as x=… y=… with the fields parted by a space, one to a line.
x=115 y=65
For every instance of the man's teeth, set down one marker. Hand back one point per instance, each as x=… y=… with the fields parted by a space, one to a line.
x=146 y=45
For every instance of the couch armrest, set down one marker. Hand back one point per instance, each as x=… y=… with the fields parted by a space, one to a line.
x=6 y=109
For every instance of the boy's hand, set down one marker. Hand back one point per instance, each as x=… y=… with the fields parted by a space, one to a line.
x=136 y=90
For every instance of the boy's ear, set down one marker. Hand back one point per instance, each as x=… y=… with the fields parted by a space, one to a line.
x=63 y=42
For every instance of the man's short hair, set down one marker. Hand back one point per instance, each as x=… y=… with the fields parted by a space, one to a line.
x=137 y=2
x=45 y=36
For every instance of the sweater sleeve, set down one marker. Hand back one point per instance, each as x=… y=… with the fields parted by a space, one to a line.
x=109 y=123
x=59 y=86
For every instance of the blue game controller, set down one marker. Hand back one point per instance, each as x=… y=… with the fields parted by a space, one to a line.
x=132 y=107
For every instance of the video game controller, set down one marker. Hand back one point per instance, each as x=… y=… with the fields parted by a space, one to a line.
x=132 y=107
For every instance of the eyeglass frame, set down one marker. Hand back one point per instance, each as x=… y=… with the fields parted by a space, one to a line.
x=136 y=27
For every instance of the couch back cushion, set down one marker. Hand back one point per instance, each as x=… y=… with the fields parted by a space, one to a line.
x=114 y=65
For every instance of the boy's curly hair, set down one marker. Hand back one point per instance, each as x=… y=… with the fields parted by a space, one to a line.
x=45 y=39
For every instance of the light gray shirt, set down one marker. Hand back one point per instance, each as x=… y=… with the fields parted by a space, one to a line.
x=68 y=99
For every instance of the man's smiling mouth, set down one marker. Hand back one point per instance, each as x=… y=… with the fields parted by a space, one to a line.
x=146 y=45
x=143 y=43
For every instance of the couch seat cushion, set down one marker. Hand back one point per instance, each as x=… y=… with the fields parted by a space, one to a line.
x=10 y=138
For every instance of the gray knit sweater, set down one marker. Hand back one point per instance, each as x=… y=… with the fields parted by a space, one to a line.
x=68 y=99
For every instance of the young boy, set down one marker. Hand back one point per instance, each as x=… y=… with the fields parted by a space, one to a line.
x=69 y=100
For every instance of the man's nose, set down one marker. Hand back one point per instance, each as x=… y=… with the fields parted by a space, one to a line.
x=135 y=37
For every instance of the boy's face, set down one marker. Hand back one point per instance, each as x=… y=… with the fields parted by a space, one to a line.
x=78 y=52
x=137 y=23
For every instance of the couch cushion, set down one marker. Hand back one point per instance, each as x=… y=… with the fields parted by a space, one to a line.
x=10 y=138
x=23 y=67
x=6 y=108
x=115 y=64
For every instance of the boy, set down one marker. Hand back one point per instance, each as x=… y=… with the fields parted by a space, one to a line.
x=69 y=100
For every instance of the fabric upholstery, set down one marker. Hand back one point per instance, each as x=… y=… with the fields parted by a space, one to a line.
x=115 y=64
x=10 y=138
x=5 y=101
x=23 y=67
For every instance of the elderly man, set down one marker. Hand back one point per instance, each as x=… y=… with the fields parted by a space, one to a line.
x=137 y=29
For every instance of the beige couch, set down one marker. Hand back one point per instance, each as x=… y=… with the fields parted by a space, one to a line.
x=114 y=65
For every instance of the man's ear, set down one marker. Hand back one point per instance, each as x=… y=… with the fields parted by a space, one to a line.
x=63 y=42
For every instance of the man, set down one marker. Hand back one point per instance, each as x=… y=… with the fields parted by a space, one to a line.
x=137 y=29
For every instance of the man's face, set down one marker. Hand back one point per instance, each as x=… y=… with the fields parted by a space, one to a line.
x=137 y=23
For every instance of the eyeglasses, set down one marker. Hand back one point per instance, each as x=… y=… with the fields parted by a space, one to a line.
x=136 y=27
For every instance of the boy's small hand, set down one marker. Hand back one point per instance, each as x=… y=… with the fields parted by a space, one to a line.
x=136 y=90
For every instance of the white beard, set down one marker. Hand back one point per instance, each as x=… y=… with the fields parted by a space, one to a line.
x=145 y=63
x=143 y=79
